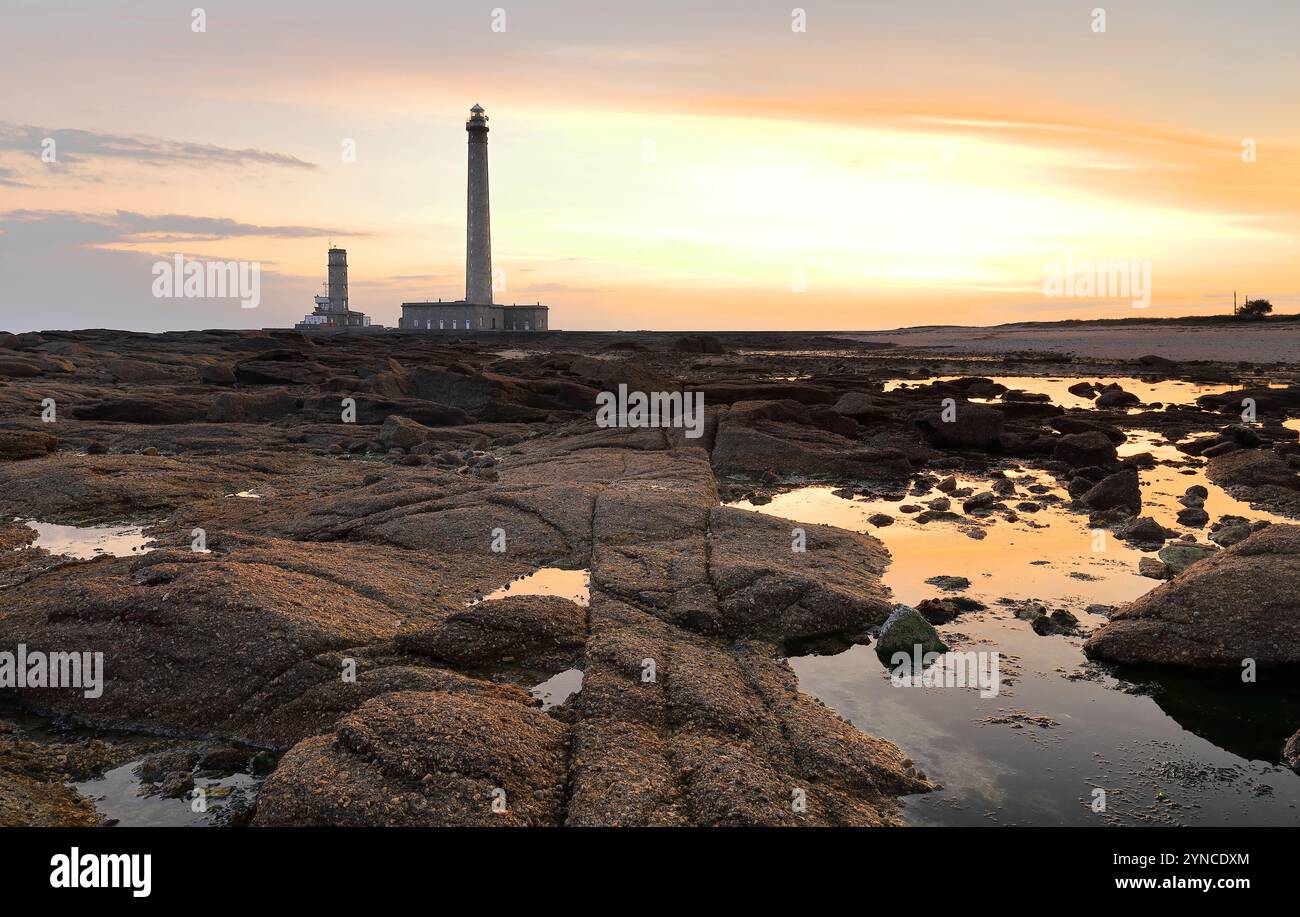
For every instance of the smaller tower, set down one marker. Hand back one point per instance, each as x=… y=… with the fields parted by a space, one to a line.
x=338 y=280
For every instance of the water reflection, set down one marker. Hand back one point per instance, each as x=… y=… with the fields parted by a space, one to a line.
x=1061 y=726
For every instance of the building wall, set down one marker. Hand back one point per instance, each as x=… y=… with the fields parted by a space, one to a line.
x=524 y=318
x=459 y=316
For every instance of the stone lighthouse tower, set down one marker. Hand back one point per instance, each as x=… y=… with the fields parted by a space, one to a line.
x=478 y=226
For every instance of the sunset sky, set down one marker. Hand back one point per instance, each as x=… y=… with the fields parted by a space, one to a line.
x=663 y=165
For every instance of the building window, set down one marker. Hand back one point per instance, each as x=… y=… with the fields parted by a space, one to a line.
x=440 y=326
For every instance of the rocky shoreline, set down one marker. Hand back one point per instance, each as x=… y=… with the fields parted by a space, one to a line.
x=355 y=495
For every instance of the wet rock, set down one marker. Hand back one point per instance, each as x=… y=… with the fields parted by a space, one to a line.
x=979 y=502
x=1115 y=397
x=880 y=520
x=1230 y=530
x=1258 y=476
x=1238 y=604
x=1220 y=449
x=1194 y=516
x=1116 y=491
x=949 y=583
x=904 y=630
x=973 y=426
x=227 y=759
x=1059 y=621
x=1083 y=390
x=1178 y=557
x=1291 y=752
x=1154 y=568
x=1144 y=531
x=941 y=611
x=1080 y=450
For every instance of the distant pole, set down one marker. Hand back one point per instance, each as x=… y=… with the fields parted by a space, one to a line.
x=1234 y=302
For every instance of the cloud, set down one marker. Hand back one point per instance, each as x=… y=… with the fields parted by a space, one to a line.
x=58 y=274
x=125 y=226
x=73 y=145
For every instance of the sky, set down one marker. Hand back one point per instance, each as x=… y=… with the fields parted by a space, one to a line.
x=844 y=164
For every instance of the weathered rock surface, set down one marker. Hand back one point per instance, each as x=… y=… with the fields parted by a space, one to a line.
x=501 y=630
x=1258 y=476
x=1237 y=604
x=330 y=614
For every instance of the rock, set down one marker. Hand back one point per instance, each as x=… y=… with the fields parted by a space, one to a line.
x=1059 y=621
x=1291 y=752
x=423 y=759
x=1116 y=397
x=1229 y=535
x=217 y=374
x=1080 y=450
x=1082 y=423
x=1083 y=390
x=1220 y=449
x=1194 y=517
x=973 y=426
x=906 y=629
x=1143 y=530
x=880 y=520
x=949 y=583
x=1237 y=604
x=225 y=758
x=1242 y=435
x=174 y=409
x=1030 y=611
x=754 y=437
x=1163 y=364
x=515 y=627
x=1178 y=557
x=1258 y=476
x=947 y=485
x=402 y=433
x=16 y=445
x=939 y=503
x=698 y=343
x=980 y=501
x=252 y=407
x=1119 y=490
x=1153 y=568
x=862 y=406
x=941 y=611
x=18 y=369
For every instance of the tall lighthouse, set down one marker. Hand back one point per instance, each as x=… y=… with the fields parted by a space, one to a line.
x=478 y=226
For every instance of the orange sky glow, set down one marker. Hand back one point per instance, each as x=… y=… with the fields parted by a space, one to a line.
x=689 y=171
